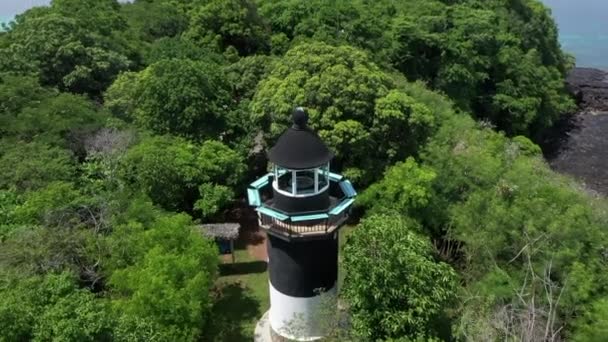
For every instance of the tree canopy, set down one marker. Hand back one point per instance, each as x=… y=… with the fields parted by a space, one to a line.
x=352 y=104
x=393 y=284
x=125 y=125
x=181 y=97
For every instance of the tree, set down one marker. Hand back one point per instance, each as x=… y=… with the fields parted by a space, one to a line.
x=50 y=307
x=182 y=97
x=170 y=171
x=152 y=20
x=78 y=316
x=481 y=53
x=352 y=105
x=358 y=23
x=224 y=23
x=393 y=286
x=244 y=77
x=593 y=326
x=246 y=73
x=521 y=235
x=62 y=53
x=180 y=48
x=30 y=166
x=16 y=93
x=56 y=118
x=521 y=220
x=100 y=16
x=168 y=284
x=407 y=189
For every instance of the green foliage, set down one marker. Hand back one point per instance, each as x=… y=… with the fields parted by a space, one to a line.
x=85 y=255
x=28 y=166
x=359 y=23
x=50 y=308
x=101 y=16
x=168 y=283
x=213 y=198
x=350 y=103
x=466 y=49
x=180 y=48
x=54 y=201
x=182 y=97
x=406 y=189
x=62 y=53
x=246 y=73
x=593 y=326
x=49 y=233
x=152 y=20
x=497 y=223
x=16 y=93
x=393 y=285
x=500 y=60
x=170 y=170
x=120 y=98
x=9 y=201
x=64 y=115
x=223 y=23
x=78 y=316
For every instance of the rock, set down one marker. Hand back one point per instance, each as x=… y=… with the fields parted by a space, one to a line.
x=590 y=88
x=577 y=144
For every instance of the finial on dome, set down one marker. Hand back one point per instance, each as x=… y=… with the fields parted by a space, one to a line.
x=300 y=118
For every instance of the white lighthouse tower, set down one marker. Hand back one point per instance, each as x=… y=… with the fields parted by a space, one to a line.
x=301 y=205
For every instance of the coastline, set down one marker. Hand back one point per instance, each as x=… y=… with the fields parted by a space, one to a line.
x=577 y=145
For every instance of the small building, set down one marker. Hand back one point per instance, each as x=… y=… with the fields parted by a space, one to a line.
x=222 y=233
x=301 y=204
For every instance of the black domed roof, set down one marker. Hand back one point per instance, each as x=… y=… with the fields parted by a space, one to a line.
x=299 y=147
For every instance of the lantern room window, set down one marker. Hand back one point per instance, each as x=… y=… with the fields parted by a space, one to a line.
x=301 y=183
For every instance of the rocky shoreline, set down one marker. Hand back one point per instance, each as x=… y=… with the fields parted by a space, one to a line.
x=590 y=88
x=578 y=144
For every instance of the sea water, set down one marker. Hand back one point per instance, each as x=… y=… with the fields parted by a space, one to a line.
x=583 y=29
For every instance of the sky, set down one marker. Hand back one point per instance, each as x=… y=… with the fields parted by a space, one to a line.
x=12 y=7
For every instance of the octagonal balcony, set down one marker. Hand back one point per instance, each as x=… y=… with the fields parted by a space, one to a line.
x=301 y=224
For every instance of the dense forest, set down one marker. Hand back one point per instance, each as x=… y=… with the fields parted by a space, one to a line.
x=125 y=125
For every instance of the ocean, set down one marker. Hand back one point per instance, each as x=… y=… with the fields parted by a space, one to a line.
x=583 y=26
x=583 y=30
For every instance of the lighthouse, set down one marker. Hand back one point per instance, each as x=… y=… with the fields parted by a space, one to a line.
x=301 y=205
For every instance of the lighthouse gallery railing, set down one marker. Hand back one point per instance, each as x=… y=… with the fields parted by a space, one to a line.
x=302 y=223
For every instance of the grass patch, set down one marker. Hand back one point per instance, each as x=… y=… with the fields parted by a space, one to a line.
x=344 y=233
x=242 y=299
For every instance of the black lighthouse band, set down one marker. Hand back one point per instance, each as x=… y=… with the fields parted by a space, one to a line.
x=300 y=269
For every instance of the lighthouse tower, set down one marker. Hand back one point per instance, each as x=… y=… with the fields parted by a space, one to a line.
x=301 y=205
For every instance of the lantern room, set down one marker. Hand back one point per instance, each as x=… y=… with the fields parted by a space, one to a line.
x=301 y=196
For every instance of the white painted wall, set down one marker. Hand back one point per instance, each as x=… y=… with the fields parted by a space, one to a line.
x=296 y=318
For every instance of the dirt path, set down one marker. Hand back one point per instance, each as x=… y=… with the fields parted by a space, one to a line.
x=258 y=251
x=251 y=237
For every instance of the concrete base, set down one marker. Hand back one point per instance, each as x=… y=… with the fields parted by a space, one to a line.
x=264 y=333
x=262 y=329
